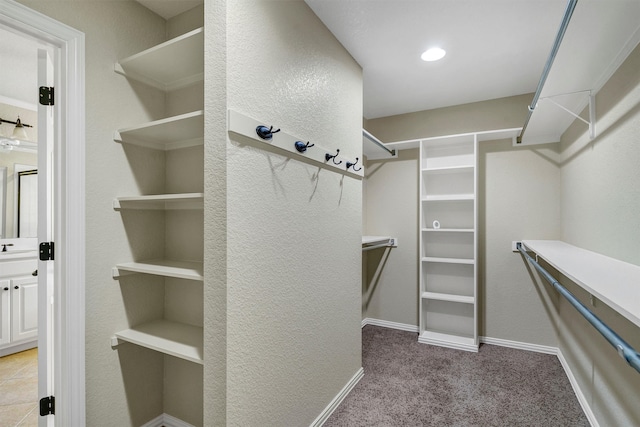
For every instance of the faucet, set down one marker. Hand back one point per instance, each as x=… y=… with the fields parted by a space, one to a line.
x=4 y=246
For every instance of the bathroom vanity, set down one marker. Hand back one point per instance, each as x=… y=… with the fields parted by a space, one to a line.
x=18 y=296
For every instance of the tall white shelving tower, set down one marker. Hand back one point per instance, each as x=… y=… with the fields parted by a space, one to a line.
x=448 y=242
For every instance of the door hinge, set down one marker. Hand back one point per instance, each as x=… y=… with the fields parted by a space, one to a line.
x=46 y=95
x=46 y=251
x=47 y=406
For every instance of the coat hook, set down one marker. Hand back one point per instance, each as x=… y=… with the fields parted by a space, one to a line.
x=302 y=147
x=266 y=132
x=328 y=157
x=349 y=164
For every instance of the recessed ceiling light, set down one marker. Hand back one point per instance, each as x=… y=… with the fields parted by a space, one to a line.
x=433 y=54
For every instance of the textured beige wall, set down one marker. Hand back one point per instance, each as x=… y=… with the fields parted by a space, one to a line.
x=293 y=230
x=478 y=116
x=215 y=215
x=518 y=197
x=600 y=205
x=391 y=209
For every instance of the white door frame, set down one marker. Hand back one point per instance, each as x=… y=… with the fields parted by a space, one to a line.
x=69 y=201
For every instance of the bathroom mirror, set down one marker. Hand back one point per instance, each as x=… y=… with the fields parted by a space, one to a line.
x=18 y=174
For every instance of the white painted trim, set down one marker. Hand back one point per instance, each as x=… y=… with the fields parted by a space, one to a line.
x=582 y=399
x=391 y=325
x=333 y=405
x=70 y=203
x=166 y=420
x=520 y=345
x=18 y=348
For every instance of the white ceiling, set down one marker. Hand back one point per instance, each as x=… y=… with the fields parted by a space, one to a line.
x=18 y=73
x=495 y=48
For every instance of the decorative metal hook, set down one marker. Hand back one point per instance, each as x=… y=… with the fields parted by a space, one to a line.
x=328 y=157
x=302 y=147
x=349 y=164
x=266 y=132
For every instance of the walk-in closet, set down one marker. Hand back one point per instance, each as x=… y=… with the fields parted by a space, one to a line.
x=319 y=212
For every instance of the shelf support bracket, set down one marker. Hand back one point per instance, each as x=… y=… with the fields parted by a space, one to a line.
x=592 y=114
x=116 y=273
x=115 y=342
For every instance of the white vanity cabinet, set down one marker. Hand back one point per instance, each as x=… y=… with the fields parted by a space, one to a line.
x=18 y=307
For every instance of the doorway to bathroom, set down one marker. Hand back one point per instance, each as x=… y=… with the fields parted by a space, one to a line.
x=56 y=136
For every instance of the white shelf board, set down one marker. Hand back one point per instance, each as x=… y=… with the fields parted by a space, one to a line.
x=184 y=130
x=448 y=169
x=448 y=297
x=370 y=240
x=167 y=268
x=173 y=338
x=447 y=197
x=614 y=282
x=489 y=135
x=584 y=64
x=448 y=260
x=171 y=65
x=161 y=201
x=457 y=342
x=449 y=230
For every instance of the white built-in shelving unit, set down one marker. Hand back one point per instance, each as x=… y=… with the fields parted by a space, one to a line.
x=170 y=66
x=448 y=254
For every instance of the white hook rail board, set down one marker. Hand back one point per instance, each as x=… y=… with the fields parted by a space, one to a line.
x=242 y=125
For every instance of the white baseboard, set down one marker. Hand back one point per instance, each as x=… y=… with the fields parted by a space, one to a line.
x=326 y=413
x=18 y=348
x=582 y=399
x=166 y=420
x=387 y=324
x=520 y=345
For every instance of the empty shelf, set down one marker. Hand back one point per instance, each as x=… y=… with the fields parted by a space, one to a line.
x=448 y=297
x=448 y=169
x=184 y=130
x=449 y=230
x=448 y=197
x=176 y=63
x=161 y=201
x=167 y=268
x=176 y=339
x=448 y=260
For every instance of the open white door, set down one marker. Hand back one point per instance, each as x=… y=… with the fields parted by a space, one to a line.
x=45 y=235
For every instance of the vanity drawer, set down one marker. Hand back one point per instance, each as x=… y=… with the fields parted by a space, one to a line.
x=22 y=267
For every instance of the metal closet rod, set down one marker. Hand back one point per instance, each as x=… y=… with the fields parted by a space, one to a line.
x=377 y=142
x=625 y=351
x=571 y=5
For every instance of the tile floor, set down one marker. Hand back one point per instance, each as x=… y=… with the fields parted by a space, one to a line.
x=19 y=389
